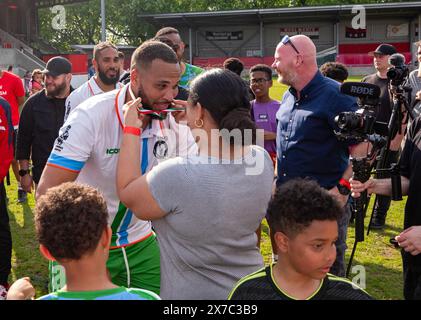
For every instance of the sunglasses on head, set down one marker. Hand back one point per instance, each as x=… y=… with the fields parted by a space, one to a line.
x=286 y=40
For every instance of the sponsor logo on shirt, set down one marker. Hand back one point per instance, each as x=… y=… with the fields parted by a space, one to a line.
x=112 y=151
x=60 y=140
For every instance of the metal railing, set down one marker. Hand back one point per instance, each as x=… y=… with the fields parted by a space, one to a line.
x=6 y=37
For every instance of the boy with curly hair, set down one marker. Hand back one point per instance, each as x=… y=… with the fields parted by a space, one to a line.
x=303 y=218
x=71 y=223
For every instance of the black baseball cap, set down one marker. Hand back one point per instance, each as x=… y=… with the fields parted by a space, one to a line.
x=57 y=66
x=384 y=49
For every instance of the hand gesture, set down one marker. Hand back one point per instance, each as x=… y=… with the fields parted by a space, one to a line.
x=180 y=116
x=132 y=118
x=410 y=240
x=22 y=289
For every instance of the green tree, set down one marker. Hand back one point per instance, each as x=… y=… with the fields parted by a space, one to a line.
x=83 y=20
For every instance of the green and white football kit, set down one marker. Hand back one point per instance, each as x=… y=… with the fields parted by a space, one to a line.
x=89 y=144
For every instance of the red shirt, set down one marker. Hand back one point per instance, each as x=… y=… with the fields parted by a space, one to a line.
x=11 y=88
x=6 y=142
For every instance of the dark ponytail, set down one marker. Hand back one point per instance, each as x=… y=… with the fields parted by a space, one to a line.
x=225 y=95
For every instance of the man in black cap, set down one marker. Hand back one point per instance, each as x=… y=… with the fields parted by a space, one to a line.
x=381 y=63
x=42 y=117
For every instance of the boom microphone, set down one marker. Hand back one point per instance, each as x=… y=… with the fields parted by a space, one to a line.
x=360 y=90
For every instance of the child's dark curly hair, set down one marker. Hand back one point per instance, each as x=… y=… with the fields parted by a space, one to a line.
x=70 y=219
x=297 y=203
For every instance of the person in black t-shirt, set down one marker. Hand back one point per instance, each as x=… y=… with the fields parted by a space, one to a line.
x=303 y=218
x=381 y=63
x=410 y=170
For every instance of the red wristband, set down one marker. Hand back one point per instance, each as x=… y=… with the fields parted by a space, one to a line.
x=345 y=183
x=133 y=130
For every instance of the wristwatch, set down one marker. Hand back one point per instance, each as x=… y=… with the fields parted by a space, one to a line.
x=344 y=187
x=23 y=173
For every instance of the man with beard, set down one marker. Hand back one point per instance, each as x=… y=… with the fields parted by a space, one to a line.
x=87 y=151
x=106 y=63
x=41 y=120
x=306 y=141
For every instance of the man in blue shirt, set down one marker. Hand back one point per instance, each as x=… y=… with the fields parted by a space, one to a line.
x=306 y=143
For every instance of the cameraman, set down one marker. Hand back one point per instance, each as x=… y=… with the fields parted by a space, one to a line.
x=381 y=63
x=410 y=166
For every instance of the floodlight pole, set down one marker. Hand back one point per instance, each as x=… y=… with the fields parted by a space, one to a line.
x=103 y=32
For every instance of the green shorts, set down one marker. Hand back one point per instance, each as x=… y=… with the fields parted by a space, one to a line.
x=134 y=266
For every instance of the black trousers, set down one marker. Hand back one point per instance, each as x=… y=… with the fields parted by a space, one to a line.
x=383 y=202
x=411 y=278
x=5 y=238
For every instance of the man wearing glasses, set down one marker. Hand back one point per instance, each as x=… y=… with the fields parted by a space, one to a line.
x=263 y=108
x=306 y=143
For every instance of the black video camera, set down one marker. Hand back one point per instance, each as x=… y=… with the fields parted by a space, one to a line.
x=360 y=124
x=399 y=72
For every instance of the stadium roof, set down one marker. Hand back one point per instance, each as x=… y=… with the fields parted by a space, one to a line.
x=87 y=47
x=194 y=19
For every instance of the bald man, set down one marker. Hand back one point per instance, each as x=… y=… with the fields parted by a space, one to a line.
x=306 y=143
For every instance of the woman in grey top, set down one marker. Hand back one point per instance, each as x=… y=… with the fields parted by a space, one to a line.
x=206 y=208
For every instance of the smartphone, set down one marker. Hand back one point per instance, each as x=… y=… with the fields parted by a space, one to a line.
x=395 y=243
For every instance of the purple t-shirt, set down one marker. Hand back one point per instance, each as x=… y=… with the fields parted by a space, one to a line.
x=264 y=115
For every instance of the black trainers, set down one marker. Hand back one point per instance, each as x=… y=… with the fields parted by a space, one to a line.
x=378 y=222
x=352 y=217
x=22 y=196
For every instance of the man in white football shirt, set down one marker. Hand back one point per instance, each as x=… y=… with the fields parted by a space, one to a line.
x=107 y=75
x=87 y=151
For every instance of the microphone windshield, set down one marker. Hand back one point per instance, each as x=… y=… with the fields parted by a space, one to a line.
x=360 y=90
x=397 y=59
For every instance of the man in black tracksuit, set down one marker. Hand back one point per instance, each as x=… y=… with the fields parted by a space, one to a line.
x=41 y=119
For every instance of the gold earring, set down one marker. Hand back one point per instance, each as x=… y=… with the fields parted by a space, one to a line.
x=200 y=125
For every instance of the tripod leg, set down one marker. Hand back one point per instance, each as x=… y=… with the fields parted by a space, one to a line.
x=348 y=269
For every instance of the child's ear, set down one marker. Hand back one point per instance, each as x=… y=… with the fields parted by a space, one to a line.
x=281 y=241
x=47 y=255
x=106 y=237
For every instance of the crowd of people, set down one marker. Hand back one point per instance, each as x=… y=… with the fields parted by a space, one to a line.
x=152 y=183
